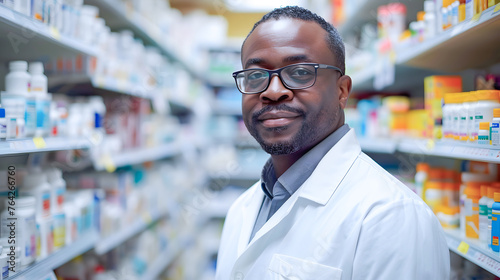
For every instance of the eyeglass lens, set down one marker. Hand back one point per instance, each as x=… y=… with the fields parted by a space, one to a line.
x=293 y=76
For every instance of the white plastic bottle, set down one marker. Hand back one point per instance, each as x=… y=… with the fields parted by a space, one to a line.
x=99 y=109
x=463 y=118
x=25 y=227
x=38 y=88
x=455 y=113
x=471 y=131
x=35 y=184
x=16 y=87
x=421 y=177
x=430 y=19
x=487 y=100
x=3 y=125
x=483 y=215
x=495 y=128
x=17 y=81
x=58 y=190
x=446 y=109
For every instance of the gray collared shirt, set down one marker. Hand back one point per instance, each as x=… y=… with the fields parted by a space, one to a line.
x=279 y=190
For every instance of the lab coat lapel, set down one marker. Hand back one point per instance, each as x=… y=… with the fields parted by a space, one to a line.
x=320 y=186
x=249 y=215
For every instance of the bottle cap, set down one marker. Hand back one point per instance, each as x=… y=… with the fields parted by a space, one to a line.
x=22 y=201
x=473 y=189
x=422 y=166
x=18 y=65
x=2 y=112
x=487 y=95
x=484 y=126
x=497 y=196
x=36 y=68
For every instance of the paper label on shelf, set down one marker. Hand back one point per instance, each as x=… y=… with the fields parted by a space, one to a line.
x=108 y=163
x=55 y=33
x=486 y=262
x=463 y=248
x=39 y=143
x=476 y=17
x=497 y=8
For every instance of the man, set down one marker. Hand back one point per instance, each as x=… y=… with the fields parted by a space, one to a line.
x=322 y=209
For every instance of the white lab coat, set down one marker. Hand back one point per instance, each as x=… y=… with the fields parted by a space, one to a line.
x=350 y=219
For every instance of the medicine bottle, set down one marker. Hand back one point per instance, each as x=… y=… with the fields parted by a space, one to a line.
x=464 y=118
x=483 y=214
x=35 y=184
x=433 y=194
x=487 y=100
x=495 y=128
x=25 y=229
x=58 y=190
x=483 y=138
x=447 y=109
x=3 y=124
x=471 y=131
x=421 y=178
x=495 y=224
x=17 y=81
x=455 y=114
x=471 y=208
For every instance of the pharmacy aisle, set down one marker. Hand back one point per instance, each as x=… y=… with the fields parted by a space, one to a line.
x=427 y=105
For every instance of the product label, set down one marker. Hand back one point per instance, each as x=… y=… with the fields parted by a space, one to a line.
x=483 y=139
x=3 y=131
x=494 y=134
x=30 y=117
x=483 y=210
x=46 y=204
x=59 y=231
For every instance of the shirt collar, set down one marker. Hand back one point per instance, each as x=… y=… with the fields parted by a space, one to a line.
x=298 y=173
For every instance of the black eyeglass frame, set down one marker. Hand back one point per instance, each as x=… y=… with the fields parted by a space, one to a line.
x=278 y=73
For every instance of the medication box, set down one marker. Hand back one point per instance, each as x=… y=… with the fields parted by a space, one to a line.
x=435 y=87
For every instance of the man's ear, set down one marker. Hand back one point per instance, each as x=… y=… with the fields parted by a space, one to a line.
x=344 y=84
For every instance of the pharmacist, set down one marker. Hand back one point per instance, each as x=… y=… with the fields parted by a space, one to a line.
x=322 y=209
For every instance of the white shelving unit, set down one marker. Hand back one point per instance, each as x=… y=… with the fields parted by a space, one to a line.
x=110 y=242
x=28 y=39
x=137 y=156
x=39 y=144
x=85 y=242
x=474 y=251
x=467 y=45
x=162 y=262
x=378 y=145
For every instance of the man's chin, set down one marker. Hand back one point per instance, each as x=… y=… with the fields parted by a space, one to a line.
x=279 y=148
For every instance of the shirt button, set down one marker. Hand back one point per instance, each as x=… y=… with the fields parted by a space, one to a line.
x=238 y=276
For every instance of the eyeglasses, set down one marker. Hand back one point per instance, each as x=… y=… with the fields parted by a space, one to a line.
x=295 y=76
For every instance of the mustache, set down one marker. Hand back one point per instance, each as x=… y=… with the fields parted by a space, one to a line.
x=279 y=107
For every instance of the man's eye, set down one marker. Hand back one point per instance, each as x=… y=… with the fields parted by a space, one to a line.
x=301 y=73
x=256 y=76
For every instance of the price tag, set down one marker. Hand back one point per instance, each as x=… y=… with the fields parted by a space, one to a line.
x=463 y=248
x=55 y=33
x=487 y=262
x=476 y=17
x=147 y=218
x=39 y=143
x=430 y=144
x=497 y=8
x=108 y=163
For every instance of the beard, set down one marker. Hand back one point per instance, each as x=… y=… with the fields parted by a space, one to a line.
x=298 y=140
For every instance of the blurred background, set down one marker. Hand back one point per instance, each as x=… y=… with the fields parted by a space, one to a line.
x=122 y=144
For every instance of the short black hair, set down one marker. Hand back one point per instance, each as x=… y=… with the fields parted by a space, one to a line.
x=333 y=39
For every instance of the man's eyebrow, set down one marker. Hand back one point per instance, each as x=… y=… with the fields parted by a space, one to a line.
x=297 y=58
x=253 y=61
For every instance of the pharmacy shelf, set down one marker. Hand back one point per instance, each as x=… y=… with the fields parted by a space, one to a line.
x=60 y=257
x=378 y=145
x=366 y=12
x=119 y=17
x=28 y=39
x=137 y=156
x=84 y=83
x=450 y=150
x=39 y=144
x=162 y=261
x=114 y=240
x=470 y=44
x=473 y=250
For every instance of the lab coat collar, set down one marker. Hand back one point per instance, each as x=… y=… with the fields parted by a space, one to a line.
x=319 y=188
x=325 y=179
